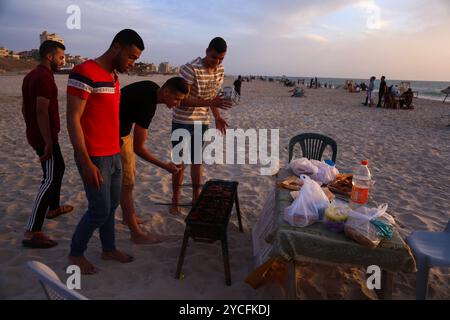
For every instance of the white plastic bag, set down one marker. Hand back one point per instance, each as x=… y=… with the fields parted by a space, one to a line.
x=309 y=205
x=321 y=172
x=325 y=173
x=303 y=166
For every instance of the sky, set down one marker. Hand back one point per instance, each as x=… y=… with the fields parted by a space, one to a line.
x=402 y=39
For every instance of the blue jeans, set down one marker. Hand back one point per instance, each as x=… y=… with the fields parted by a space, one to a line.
x=101 y=207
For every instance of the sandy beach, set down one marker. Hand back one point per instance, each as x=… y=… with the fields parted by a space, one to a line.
x=408 y=150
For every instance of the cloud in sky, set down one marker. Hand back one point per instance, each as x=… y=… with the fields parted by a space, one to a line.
x=316 y=38
x=293 y=37
x=374 y=20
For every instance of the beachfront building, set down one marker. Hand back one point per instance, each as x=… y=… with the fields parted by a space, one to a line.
x=29 y=54
x=164 y=67
x=75 y=59
x=4 y=52
x=50 y=36
x=152 y=68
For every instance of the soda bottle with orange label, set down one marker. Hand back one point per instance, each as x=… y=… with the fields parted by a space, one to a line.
x=361 y=183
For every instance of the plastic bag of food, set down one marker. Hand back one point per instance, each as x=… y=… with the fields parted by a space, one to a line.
x=309 y=205
x=368 y=226
x=303 y=166
x=325 y=173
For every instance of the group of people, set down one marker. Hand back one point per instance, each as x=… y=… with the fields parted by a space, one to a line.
x=388 y=95
x=100 y=120
x=352 y=88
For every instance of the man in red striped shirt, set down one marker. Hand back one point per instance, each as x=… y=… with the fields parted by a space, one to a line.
x=93 y=99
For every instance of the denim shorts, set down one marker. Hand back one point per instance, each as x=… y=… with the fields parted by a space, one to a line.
x=190 y=130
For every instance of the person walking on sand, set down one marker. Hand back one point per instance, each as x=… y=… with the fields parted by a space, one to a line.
x=137 y=106
x=41 y=114
x=93 y=99
x=205 y=77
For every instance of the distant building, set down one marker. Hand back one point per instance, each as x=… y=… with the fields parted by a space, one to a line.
x=164 y=67
x=79 y=59
x=152 y=68
x=4 y=52
x=50 y=36
x=175 y=70
x=30 y=54
x=75 y=59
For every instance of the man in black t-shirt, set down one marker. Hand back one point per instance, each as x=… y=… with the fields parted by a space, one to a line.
x=137 y=106
x=381 y=91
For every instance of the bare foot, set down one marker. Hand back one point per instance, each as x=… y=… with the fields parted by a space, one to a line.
x=144 y=238
x=85 y=266
x=174 y=210
x=117 y=256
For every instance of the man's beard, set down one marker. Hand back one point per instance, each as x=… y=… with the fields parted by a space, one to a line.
x=54 y=66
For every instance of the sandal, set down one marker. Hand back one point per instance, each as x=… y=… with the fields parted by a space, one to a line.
x=39 y=241
x=61 y=210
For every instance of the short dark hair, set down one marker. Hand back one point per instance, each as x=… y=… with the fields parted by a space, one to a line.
x=177 y=84
x=49 y=46
x=128 y=37
x=218 y=44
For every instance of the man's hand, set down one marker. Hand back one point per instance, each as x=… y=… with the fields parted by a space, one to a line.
x=92 y=175
x=221 y=103
x=172 y=168
x=221 y=125
x=48 y=152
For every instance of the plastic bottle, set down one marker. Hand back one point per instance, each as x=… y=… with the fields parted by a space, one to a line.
x=361 y=183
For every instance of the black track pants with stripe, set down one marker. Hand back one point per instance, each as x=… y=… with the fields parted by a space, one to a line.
x=50 y=189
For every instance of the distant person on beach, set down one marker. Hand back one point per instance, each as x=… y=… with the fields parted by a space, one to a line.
x=381 y=91
x=41 y=114
x=406 y=99
x=205 y=77
x=369 y=97
x=298 y=91
x=237 y=88
x=93 y=100
x=138 y=106
x=351 y=87
x=316 y=83
x=311 y=83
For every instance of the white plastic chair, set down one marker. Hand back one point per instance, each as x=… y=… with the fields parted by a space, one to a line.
x=53 y=287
